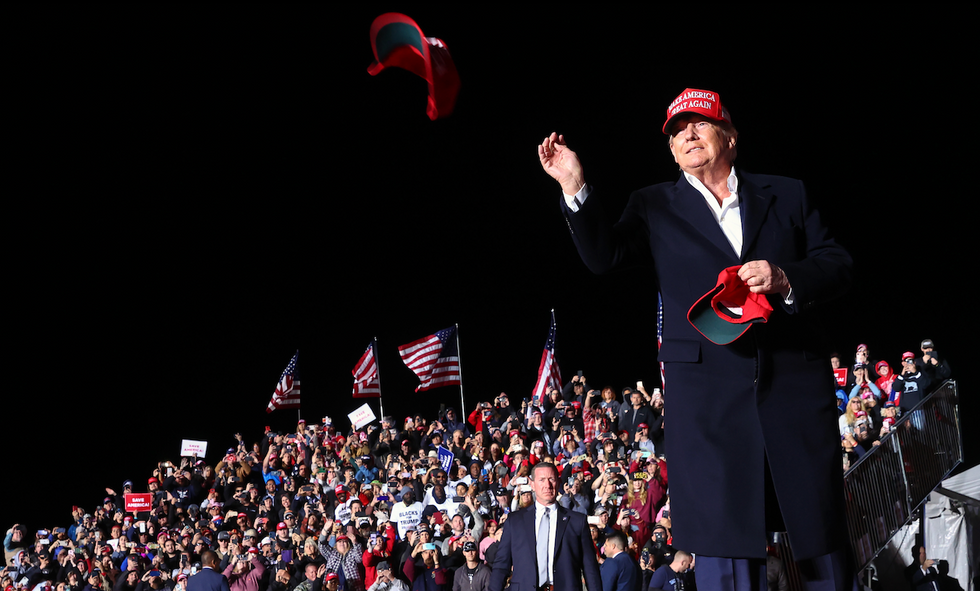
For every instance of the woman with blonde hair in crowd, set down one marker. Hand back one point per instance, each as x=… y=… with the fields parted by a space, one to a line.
x=846 y=420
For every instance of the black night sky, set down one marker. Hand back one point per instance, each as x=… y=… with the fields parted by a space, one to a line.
x=197 y=191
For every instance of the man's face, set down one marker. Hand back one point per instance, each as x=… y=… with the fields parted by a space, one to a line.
x=861 y=431
x=544 y=484
x=311 y=572
x=699 y=144
x=637 y=398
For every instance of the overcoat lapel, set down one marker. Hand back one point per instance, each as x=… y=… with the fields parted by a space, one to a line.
x=755 y=200
x=690 y=206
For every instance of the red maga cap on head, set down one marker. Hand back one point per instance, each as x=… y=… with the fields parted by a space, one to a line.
x=727 y=311
x=702 y=102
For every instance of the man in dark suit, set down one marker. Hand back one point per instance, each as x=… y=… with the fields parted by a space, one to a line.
x=752 y=427
x=209 y=579
x=547 y=546
x=619 y=572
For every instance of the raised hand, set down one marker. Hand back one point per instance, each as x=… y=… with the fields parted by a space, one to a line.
x=561 y=163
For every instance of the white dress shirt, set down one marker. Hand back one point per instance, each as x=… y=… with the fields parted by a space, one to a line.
x=539 y=510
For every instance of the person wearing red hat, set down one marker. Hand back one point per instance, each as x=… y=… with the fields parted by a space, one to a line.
x=732 y=395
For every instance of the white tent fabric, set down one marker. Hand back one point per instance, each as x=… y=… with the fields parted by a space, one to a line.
x=966 y=483
x=951 y=523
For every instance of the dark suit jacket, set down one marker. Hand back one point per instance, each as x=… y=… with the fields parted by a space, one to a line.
x=768 y=394
x=207 y=580
x=620 y=574
x=574 y=553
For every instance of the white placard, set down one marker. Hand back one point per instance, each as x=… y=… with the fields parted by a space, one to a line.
x=189 y=447
x=362 y=416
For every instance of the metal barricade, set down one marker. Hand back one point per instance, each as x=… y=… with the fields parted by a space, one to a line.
x=884 y=488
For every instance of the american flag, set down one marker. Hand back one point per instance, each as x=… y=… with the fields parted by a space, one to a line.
x=549 y=376
x=660 y=337
x=367 y=384
x=434 y=359
x=287 y=390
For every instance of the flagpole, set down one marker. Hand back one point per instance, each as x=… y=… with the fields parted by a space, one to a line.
x=381 y=404
x=459 y=353
x=299 y=407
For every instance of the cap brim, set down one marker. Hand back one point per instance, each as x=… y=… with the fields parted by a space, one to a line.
x=715 y=321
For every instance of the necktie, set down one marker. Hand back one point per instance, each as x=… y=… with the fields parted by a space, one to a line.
x=544 y=531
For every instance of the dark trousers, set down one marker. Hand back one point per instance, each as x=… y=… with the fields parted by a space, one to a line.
x=830 y=572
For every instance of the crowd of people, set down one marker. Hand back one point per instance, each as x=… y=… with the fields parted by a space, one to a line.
x=870 y=406
x=381 y=508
